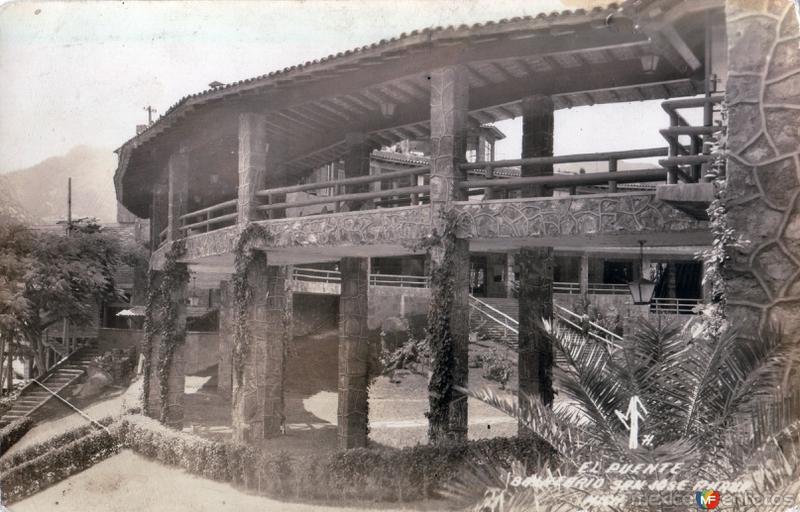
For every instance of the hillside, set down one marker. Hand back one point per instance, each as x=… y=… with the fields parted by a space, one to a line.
x=11 y=209
x=42 y=188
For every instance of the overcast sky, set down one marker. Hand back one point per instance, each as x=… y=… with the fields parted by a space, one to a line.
x=81 y=72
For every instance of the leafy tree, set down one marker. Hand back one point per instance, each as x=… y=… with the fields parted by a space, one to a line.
x=47 y=277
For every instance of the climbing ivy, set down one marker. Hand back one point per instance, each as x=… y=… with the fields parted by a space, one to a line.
x=244 y=255
x=442 y=245
x=724 y=237
x=161 y=317
x=147 y=342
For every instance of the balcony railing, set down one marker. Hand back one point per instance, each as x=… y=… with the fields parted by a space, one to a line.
x=697 y=155
x=669 y=306
x=406 y=187
x=491 y=183
x=210 y=218
x=314 y=275
x=596 y=288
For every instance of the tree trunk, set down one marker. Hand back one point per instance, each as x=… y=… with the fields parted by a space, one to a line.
x=10 y=369
x=2 y=362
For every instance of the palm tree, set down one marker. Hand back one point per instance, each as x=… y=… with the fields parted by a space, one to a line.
x=722 y=407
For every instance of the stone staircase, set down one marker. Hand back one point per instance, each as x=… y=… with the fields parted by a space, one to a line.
x=499 y=318
x=62 y=375
x=492 y=324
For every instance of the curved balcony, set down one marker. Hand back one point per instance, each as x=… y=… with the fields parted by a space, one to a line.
x=385 y=214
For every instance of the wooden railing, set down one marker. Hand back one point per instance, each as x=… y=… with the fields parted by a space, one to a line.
x=697 y=155
x=407 y=187
x=210 y=218
x=490 y=183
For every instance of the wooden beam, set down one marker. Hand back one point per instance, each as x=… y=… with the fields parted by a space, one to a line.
x=502 y=72
x=475 y=77
x=680 y=46
x=413 y=90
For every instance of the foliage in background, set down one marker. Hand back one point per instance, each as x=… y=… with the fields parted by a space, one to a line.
x=497 y=367
x=46 y=277
x=715 y=405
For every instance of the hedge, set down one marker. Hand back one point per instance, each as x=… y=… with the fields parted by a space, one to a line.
x=375 y=474
x=13 y=432
x=49 y=468
x=33 y=451
x=371 y=474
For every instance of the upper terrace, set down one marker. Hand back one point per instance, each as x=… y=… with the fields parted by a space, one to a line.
x=244 y=152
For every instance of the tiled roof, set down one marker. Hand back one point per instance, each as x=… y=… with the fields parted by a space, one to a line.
x=401 y=42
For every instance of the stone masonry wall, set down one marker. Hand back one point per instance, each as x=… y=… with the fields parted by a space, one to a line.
x=763 y=168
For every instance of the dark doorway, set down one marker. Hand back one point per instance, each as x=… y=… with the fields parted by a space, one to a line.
x=477 y=276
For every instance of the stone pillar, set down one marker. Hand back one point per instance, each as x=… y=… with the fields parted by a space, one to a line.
x=449 y=128
x=537 y=140
x=279 y=314
x=449 y=131
x=178 y=180
x=510 y=275
x=535 y=359
x=227 y=315
x=584 y=277
x=249 y=381
x=252 y=164
x=157 y=218
x=176 y=379
x=352 y=414
x=356 y=163
x=762 y=189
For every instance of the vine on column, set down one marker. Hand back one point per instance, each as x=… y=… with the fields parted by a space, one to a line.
x=243 y=256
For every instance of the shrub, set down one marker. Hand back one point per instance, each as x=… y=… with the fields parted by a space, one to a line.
x=13 y=432
x=497 y=368
x=369 y=474
x=55 y=465
x=31 y=452
x=364 y=474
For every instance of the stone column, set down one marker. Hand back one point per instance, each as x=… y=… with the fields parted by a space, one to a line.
x=763 y=191
x=509 y=275
x=178 y=180
x=227 y=315
x=584 y=277
x=535 y=359
x=278 y=313
x=352 y=414
x=449 y=130
x=157 y=218
x=252 y=164
x=356 y=163
x=249 y=381
x=537 y=140
x=176 y=379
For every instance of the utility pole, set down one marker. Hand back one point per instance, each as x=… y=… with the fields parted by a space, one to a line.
x=150 y=111
x=69 y=206
x=65 y=325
